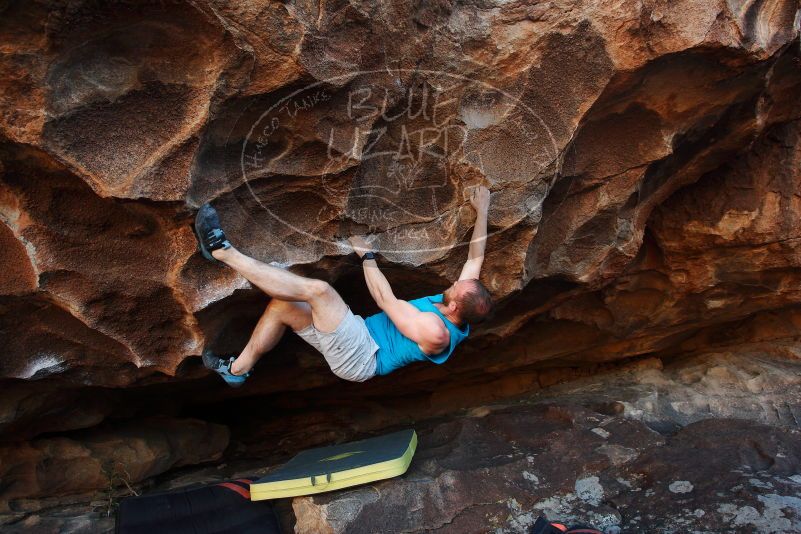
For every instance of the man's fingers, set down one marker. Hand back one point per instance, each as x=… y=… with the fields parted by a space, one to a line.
x=469 y=192
x=362 y=243
x=368 y=239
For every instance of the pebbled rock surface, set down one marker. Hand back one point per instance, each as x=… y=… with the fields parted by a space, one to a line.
x=705 y=445
x=644 y=160
x=500 y=472
x=488 y=472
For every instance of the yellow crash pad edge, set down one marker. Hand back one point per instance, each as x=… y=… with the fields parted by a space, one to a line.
x=339 y=479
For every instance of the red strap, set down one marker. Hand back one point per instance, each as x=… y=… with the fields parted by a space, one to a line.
x=560 y=526
x=233 y=487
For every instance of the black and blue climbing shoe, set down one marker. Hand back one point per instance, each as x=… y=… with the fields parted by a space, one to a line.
x=208 y=232
x=222 y=367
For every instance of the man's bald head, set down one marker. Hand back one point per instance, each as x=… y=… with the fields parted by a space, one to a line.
x=472 y=301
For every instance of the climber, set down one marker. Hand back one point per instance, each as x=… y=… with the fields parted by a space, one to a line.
x=356 y=349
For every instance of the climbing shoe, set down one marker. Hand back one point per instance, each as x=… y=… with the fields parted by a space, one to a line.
x=208 y=232
x=222 y=367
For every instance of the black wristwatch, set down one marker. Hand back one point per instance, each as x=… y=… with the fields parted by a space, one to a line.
x=368 y=256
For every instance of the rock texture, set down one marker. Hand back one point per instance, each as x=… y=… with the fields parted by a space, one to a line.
x=499 y=473
x=644 y=159
x=646 y=448
x=103 y=458
x=584 y=120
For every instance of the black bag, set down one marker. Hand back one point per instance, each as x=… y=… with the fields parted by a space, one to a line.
x=543 y=526
x=212 y=509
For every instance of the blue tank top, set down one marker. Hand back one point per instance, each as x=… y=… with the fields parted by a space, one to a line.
x=396 y=350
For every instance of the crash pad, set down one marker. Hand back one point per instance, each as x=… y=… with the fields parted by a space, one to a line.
x=339 y=466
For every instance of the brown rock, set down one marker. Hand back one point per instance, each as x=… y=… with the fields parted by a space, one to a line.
x=107 y=457
x=582 y=122
x=643 y=157
x=592 y=124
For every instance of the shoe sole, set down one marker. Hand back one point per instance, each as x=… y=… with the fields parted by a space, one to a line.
x=203 y=250
x=210 y=361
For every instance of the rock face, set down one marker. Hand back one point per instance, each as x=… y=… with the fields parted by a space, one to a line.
x=644 y=160
x=583 y=120
x=500 y=473
x=642 y=449
x=103 y=458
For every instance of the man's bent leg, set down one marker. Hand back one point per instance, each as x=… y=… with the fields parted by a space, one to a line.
x=327 y=306
x=268 y=332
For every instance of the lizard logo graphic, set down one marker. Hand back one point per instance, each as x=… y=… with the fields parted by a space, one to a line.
x=340 y=456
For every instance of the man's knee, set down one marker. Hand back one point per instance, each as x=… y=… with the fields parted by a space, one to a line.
x=278 y=305
x=295 y=315
x=319 y=289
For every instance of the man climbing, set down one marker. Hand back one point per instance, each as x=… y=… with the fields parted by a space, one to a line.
x=356 y=349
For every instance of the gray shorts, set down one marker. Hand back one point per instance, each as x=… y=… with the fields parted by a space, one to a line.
x=349 y=350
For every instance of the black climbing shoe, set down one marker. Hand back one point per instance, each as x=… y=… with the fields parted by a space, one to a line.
x=208 y=232
x=223 y=368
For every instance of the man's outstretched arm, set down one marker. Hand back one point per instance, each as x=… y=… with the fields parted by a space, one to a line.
x=425 y=329
x=480 y=200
